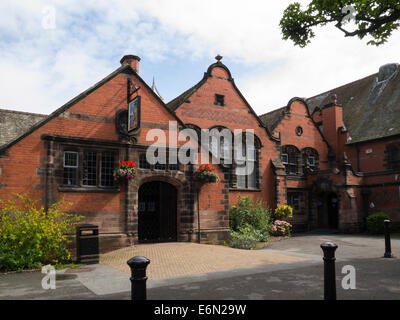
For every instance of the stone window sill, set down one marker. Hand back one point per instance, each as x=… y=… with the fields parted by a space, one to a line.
x=87 y=189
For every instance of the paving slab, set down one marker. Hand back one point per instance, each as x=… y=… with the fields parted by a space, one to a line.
x=175 y=259
x=349 y=246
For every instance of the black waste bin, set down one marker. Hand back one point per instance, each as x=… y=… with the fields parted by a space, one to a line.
x=87 y=243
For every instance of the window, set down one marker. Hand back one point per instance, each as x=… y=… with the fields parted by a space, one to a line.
x=107 y=169
x=285 y=158
x=143 y=163
x=219 y=100
x=393 y=156
x=160 y=166
x=71 y=168
x=96 y=169
x=221 y=144
x=173 y=167
x=309 y=159
x=289 y=158
x=90 y=169
x=293 y=200
x=197 y=136
x=247 y=167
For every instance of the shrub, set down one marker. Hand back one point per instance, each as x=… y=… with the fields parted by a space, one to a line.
x=249 y=219
x=283 y=212
x=281 y=228
x=242 y=241
x=375 y=222
x=31 y=237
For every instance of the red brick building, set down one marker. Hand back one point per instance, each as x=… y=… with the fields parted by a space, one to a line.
x=334 y=157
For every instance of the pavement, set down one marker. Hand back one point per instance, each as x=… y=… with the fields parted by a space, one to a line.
x=176 y=259
x=289 y=269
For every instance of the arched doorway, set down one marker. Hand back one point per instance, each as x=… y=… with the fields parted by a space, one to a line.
x=328 y=210
x=157 y=212
x=333 y=210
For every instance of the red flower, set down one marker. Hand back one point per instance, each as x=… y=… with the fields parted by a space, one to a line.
x=127 y=163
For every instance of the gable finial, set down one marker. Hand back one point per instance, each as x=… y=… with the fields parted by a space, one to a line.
x=218 y=58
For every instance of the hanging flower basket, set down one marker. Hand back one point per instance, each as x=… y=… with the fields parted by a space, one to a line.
x=125 y=171
x=205 y=174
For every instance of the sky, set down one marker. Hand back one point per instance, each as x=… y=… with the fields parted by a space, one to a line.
x=51 y=51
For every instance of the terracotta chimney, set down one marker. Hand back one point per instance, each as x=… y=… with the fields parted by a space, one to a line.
x=131 y=60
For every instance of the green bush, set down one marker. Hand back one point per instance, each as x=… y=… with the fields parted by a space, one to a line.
x=249 y=219
x=31 y=237
x=375 y=222
x=242 y=241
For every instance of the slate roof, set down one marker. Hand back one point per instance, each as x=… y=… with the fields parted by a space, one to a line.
x=15 y=123
x=371 y=105
x=271 y=119
x=122 y=69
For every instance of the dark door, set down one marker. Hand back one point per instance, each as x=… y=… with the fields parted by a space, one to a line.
x=333 y=211
x=157 y=212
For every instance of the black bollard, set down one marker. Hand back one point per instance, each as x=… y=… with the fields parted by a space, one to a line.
x=329 y=270
x=138 y=279
x=388 y=247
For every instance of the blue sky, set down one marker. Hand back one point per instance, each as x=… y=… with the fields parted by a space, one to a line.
x=50 y=51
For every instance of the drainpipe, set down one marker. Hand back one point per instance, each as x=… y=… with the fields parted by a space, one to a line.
x=198 y=215
x=365 y=193
x=280 y=145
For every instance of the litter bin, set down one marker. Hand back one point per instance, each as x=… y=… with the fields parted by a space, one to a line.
x=87 y=243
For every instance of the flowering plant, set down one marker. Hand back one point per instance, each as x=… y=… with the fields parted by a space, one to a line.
x=281 y=228
x=283 y=212
x=206 y=174
x=125 y=171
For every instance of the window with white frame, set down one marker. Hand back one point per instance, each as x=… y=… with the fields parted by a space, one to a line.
x=247 y=165
x=71 y=162
x=89 y=168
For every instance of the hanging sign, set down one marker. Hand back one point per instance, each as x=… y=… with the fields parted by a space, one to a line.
x=134 y=114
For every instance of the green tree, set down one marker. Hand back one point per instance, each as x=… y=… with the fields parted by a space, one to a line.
x=376 y=18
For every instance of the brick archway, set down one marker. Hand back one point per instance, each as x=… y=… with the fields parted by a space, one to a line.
x=157 y=212
x=325 y=204
x=184 y=208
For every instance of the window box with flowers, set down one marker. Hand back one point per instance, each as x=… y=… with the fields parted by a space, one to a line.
x=205 y=174
x=125 y=171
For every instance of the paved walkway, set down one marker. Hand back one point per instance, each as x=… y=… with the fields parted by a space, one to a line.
x=175 y=259
x=288 y=269
x=349 y=246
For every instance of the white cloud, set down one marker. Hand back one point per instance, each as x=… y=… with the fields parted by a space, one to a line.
x=43 y=69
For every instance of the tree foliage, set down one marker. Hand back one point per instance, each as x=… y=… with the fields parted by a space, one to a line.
x=376 y=18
